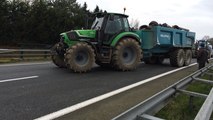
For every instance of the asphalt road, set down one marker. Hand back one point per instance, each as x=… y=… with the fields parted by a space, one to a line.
x=51 y=88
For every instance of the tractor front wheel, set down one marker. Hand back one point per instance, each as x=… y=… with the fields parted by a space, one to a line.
x=126 y=55
x=80 y=57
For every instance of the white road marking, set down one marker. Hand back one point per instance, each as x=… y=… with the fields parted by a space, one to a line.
x=75 y=107
x=17 y=79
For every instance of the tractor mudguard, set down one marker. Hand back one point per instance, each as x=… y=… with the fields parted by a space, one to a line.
x=125 y=34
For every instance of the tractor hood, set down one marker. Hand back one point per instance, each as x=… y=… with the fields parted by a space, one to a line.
x=86 y=33
x=73 y=36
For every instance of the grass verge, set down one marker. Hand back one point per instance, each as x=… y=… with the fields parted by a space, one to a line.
x=27 y=59
x=184 y=107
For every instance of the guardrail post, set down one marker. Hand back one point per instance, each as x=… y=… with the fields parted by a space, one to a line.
x=191 y=98
x=22 y=55
x=210 y=77
x=45 y=54
x=206 y=109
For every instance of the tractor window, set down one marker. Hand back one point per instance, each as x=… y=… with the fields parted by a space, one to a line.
x=97 y=23
x=116 y=25
x=201 y=42
x=126 y=24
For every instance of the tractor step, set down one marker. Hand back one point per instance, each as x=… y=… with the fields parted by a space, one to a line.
x=105 y=54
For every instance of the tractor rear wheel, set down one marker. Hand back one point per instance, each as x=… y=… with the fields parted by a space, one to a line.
x=57 y=59
x=188 y=57
x=177 y=58
x=80 y=57
x=126 y=55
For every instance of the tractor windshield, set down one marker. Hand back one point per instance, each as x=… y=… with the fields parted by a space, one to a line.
x=97 y=23
x=201 y=42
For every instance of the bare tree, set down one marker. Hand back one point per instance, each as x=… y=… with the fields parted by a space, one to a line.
x=206 y=37
x=134 y=23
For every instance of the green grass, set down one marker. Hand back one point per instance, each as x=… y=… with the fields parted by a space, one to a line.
x=180 y=108
x=27 y=59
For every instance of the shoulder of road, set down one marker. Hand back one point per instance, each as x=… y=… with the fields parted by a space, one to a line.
x=115 y=105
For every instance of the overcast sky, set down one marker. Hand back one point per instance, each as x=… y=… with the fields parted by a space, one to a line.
x=196 y=15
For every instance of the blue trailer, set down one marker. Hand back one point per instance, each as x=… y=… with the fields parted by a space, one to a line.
x=159 y=42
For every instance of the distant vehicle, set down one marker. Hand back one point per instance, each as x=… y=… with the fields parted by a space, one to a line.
x=208 y=47
x=210 y=50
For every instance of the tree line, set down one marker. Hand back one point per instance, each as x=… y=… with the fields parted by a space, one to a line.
x=40 y=22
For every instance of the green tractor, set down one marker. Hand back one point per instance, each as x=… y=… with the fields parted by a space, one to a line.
x=109 y=43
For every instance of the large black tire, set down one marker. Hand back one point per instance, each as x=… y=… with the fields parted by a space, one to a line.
x=126 y=55
x=57 y=59
x=188 y=57
x=142 y=27
x=153 y=23
x=80 y=57
x=177 y=58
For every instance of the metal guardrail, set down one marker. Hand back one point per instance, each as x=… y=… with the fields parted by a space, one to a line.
x=146 y=109
x=206 y=110
x=21 y=53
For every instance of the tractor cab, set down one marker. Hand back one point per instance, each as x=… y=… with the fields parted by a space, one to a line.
x=207 y=45
x=109 y=25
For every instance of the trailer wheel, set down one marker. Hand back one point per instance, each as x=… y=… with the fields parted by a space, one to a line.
x=177 y=58
x=57 y=59
x=80 y=57
x=188 y=57
x=126 y=55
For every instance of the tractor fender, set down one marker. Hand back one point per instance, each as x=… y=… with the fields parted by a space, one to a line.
x=123 y=35
x=92 y=45
x=67 y=40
